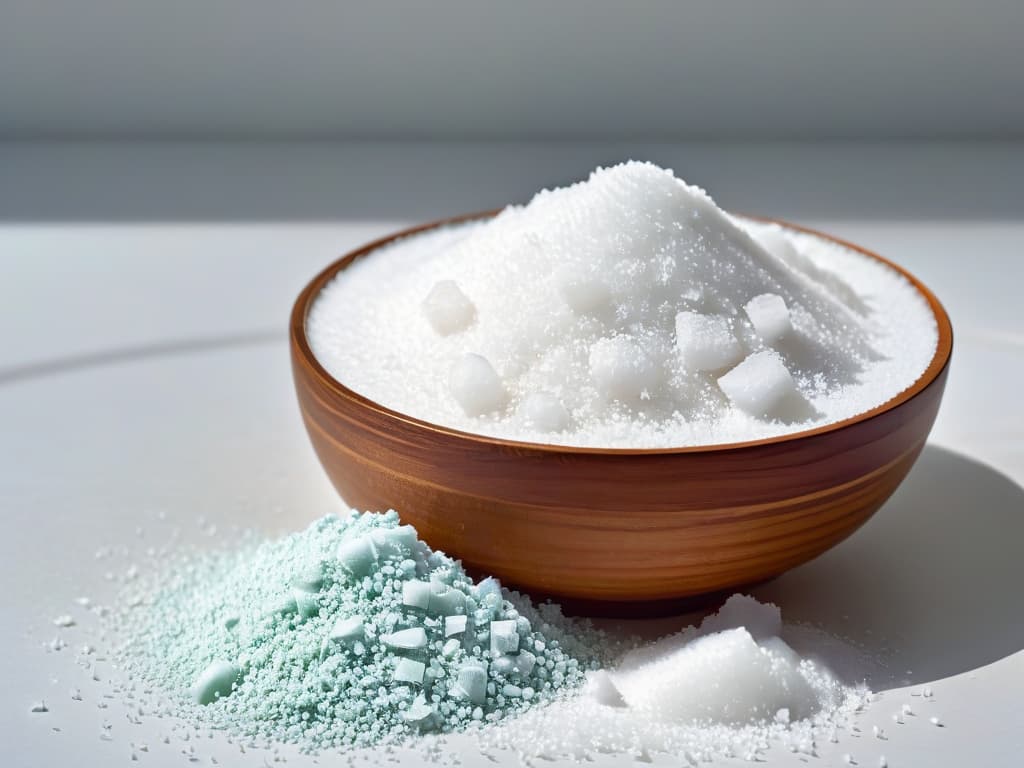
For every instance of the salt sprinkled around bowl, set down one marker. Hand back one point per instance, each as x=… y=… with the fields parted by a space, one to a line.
x=221 y=641
x=624 y=311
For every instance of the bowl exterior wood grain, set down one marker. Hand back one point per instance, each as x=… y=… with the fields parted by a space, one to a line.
x=615 y=526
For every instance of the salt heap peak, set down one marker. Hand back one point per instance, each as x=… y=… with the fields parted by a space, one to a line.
x=639 y=261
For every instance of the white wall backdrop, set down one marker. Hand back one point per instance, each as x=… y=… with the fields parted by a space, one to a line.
x=529 y=69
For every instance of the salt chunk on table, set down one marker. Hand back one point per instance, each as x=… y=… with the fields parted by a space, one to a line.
x=446 y=602
x=346 y=632
x=454 y=625
x=447 y=308
x=706 y=342
x=216 y=681
x=416 y=594
x=504 y=637
x=358 y=556
x=394 y=543
x=758 y=385
x=475 y=385
x=348 y=629
x=420 y=714
x=471 y=682
x=769 y=316
x=406 y=639
x=409 y=671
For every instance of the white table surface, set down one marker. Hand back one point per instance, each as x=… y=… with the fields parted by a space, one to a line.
x=144 y=292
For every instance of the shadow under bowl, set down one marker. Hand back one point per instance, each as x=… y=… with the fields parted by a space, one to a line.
x=617 y=529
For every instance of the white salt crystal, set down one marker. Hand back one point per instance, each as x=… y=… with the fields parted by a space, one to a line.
x=447 y=308
x=622 y=370
x=706 y=342
x=769 y=315
x=544 y=411
x=759 y=385
x=454 y=625
x=476 y=386
x=504 y=638
x=935 y=721
x=406 y=639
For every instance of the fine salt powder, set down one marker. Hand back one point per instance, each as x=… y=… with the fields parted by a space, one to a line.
x=627 y=311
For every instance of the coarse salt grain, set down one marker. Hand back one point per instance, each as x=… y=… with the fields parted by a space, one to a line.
x=402 y=635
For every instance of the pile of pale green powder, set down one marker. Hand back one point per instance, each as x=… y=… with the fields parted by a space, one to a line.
x=352 y=632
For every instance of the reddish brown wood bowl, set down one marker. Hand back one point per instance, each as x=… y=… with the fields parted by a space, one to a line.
x=616 y=525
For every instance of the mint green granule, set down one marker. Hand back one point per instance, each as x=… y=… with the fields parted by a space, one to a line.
x=353 y=632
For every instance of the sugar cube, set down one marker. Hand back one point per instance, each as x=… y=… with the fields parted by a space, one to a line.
x=769 y=315
x=759 y=384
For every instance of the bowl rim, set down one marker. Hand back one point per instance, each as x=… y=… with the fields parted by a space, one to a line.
x=300 y=344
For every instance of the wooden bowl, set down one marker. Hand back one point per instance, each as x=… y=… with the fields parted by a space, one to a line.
x=615 y=526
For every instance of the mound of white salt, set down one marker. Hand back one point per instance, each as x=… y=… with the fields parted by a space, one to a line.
x=734 y=670
x=731 y=687
x=626 y=310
